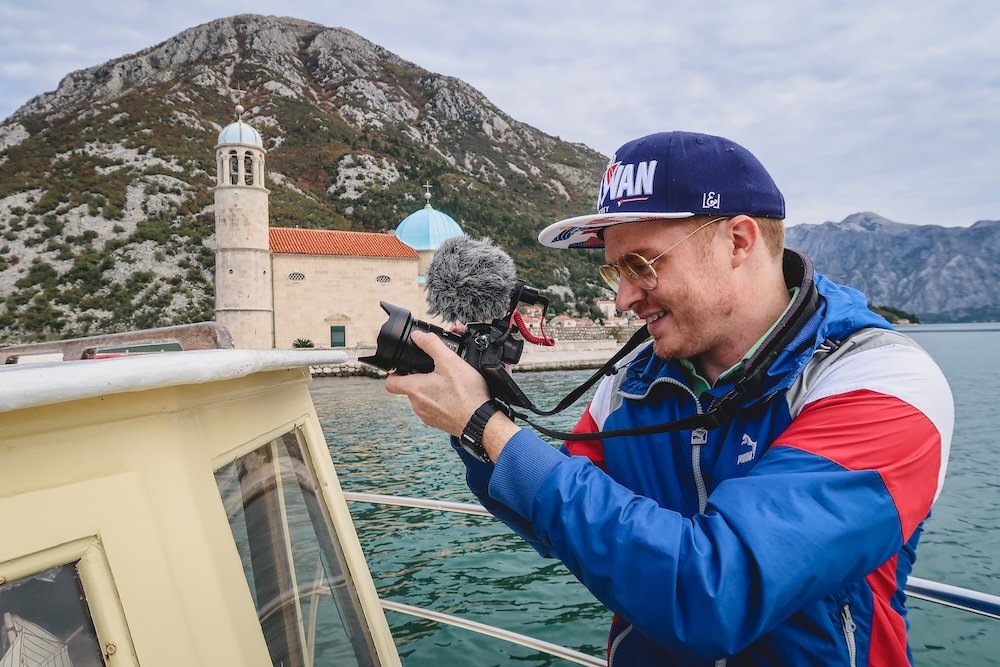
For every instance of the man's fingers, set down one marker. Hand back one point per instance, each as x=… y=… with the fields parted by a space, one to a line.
x=430 y=344
x=396 y=383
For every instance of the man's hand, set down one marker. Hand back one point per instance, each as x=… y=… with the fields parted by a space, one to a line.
x=446 y=397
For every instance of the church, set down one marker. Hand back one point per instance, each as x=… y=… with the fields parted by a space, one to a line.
x=278 y=285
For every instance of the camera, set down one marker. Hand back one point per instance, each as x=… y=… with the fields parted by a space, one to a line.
x=486 y=346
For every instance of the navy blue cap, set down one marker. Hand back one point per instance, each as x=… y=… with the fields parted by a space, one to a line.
x=672 y=175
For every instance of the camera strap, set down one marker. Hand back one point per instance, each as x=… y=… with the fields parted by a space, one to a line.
x=790 y=331
x=609 y=368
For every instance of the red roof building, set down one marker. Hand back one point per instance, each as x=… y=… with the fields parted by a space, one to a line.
x=287 y=240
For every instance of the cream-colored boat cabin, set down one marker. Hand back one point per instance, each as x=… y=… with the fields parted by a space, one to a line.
x=177 y=508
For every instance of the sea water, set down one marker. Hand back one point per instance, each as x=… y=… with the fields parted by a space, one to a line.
x=475 y=568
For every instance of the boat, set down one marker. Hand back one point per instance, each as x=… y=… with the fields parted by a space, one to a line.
x=170 y=500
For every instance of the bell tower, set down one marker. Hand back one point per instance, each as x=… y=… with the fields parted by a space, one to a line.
x=244 y=296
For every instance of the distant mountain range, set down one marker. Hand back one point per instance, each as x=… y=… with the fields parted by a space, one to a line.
x=106 y=208
x=938 y=273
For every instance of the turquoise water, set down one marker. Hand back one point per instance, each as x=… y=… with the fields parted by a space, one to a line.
x=475 y=568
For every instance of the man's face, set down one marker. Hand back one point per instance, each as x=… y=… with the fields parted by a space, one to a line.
x=687 y=311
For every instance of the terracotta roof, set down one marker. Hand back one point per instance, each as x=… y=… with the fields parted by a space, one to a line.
x=333 y=242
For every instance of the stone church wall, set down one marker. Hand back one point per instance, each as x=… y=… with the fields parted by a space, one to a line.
x=313 y=293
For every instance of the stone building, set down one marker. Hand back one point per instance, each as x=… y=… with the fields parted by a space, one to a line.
x=276 y=285
x=243 y=302
x=328 y=284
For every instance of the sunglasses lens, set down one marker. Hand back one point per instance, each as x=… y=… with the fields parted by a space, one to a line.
x=610 y=275
x=638 y=270
x=633 y=268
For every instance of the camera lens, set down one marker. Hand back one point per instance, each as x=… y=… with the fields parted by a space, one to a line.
x=394 y=349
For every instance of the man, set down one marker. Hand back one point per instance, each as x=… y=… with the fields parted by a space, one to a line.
x=782 y=530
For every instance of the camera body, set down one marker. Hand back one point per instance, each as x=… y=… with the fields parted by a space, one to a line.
x=486 y=346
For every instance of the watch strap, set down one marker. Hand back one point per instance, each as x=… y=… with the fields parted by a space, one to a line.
x=472 y=436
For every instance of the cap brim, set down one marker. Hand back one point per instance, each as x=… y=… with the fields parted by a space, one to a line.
x=582 y=231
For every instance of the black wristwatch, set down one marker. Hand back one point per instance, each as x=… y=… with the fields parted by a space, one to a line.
x=472 y=437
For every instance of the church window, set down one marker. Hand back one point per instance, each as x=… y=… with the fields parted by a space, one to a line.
x=234 y=168
x=296 y=276
x=383 y=279
x=247 y=168
x=338 y=336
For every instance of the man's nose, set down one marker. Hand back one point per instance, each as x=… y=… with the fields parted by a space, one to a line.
x=628 y=295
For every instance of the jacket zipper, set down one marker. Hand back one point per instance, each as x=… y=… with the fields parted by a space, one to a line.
x=849 y=627
x=698 y=439
x=699 y=479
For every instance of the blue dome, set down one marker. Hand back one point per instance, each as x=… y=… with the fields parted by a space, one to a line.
x=240 y=133
x=427 y=229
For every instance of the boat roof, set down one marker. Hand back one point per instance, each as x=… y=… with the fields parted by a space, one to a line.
x=30 y=385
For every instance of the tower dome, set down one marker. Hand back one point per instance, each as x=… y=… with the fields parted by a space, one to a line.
x=240 y=133
x=427 y=228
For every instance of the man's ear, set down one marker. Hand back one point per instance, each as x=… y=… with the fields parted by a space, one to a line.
x=744 y=234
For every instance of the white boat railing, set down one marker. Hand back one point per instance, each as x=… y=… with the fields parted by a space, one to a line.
x=966 y=599
x=498 y=633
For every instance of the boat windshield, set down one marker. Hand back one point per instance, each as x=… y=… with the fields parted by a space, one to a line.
x=305 y=599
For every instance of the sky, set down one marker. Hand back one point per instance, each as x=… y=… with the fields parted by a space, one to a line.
x=889 y=106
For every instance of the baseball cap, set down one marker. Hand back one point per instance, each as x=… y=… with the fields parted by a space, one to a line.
x=672 y=175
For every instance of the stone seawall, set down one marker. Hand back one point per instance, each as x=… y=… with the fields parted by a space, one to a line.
x=348 y=369
x=594 y=334
x=564 y=356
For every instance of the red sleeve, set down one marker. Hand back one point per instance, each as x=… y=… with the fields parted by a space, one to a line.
x=867 y=430
x=592 y=449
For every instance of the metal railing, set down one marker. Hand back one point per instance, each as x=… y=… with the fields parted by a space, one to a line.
x=498 y=633
x=966 y=599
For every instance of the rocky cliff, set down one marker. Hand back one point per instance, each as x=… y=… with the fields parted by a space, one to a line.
x=105 y=183
x=106 y=206
x=938 y=273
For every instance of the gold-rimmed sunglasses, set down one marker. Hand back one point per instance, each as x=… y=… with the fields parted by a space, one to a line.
x=637 y=269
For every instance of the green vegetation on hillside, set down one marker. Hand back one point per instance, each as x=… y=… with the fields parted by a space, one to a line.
x=895 y=316
x=81 y=278
x=93 y=267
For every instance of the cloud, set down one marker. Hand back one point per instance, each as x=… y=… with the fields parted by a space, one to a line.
x=887 y=106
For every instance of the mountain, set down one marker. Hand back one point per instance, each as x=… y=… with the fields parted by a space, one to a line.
x=106 y=207
x=938 y=273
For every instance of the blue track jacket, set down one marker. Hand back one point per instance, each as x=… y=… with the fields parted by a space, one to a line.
x=783 y=537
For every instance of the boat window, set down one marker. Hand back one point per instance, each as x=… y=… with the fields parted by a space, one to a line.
x=305 y=599
x=44 y=620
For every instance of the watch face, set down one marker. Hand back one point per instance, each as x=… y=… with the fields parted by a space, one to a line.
x=476 y=450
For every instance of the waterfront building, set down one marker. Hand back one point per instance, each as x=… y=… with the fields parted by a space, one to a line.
x=278 y=286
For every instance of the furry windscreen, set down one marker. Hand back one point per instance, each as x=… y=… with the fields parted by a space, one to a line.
x=469 y=280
